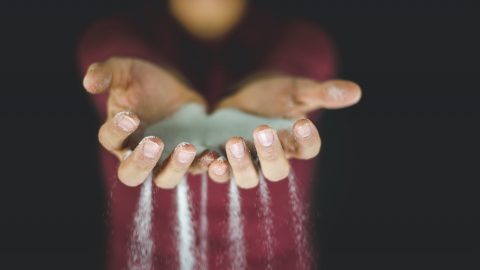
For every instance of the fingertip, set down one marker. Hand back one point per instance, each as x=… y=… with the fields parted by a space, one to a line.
x=207 y=157
x=271 y=154
x=233 y=140
x=241 y=163
x=354 y=91
x=186 y=146
x=302 y=128
x=171 y=173
x=185 y=153
x=261 y=128
x=134 y=169
x=126 y=121
x=340 y=94
x=219 y=170
x=201 y=162
x=114 y=133
x=127 y=182
x=152 y=147
x=236 y=148
x=308 y=139
x=97 y=79
x=264 y=139
x=276 y=176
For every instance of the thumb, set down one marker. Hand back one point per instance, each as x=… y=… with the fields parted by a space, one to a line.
x=102 y=76
x=333 y=94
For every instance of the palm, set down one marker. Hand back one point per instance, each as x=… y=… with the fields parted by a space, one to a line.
x=150 y=91
x=292 y=97
x=278 y=93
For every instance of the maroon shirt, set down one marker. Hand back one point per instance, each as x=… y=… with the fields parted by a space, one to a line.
x=260 y=42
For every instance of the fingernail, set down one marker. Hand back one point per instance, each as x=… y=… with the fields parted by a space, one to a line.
x=185 y=156
x=219 y=170
x=265 y=137
x=125 y=122
x=304 y=130
x=335 y=93
x=150 y=149
x=238 y=150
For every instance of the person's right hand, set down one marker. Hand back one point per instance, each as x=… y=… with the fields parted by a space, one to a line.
x=140 y=93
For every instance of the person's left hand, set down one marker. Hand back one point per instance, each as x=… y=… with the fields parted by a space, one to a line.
x=286 y=97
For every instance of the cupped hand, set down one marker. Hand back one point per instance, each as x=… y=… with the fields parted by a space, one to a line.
x=280 y=96
x=139 y=94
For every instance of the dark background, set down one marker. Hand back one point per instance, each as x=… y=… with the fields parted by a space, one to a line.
x=398 y=184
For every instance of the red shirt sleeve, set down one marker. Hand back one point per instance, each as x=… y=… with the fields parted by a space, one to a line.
x=114 y=36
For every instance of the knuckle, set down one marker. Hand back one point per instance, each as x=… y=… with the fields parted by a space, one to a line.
x=178 y=168
x=261 y=127
x=240 y=165
x=143 y=164
x=268 y=156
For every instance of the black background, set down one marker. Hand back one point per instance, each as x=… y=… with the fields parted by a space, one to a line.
x=397 y=187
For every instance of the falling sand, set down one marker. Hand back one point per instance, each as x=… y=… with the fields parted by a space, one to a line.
x=266 y=215
x=203 y=263
x=185 y=234
x=235 y=229
x=299 y=222
x=142 y=245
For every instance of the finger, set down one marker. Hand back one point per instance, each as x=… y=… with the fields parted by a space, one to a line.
x=136 y=167
x=303 y=143
x=240 y=160
x=102 y=76
x=333 y=94
x=201 y=163
x=273 y=162
x=113 y=133
x=219 y=171
x=172 y=171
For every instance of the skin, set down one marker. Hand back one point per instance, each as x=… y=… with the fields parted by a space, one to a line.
x=141 y=93
x=294 y=98
x=208 y=19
